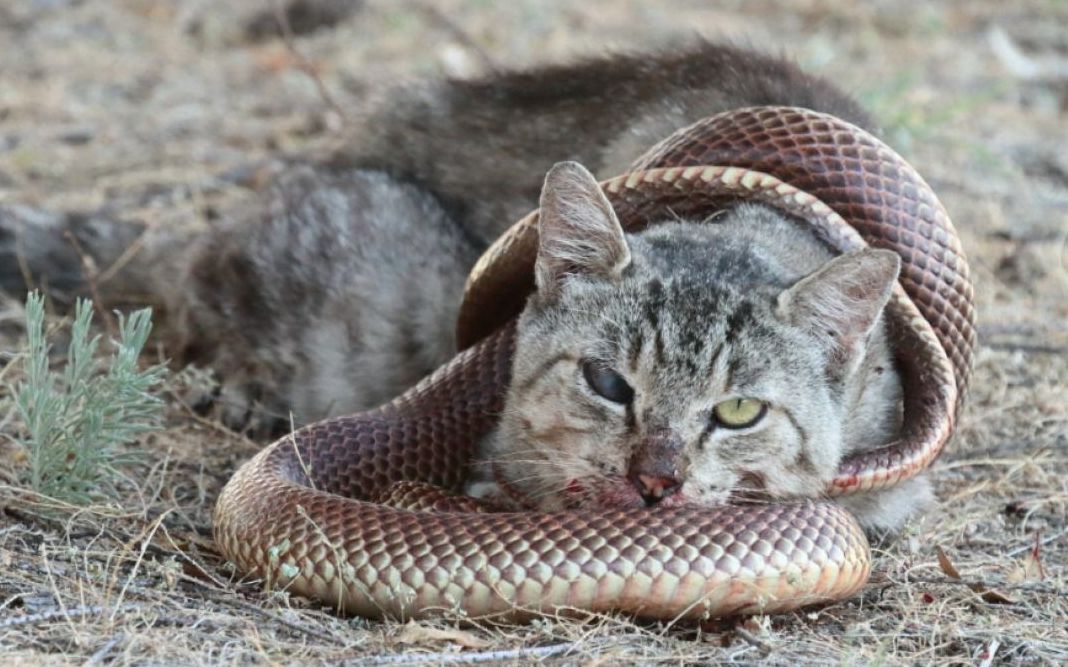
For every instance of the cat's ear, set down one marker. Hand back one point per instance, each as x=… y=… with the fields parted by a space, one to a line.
x=841 y=302
x=578 y=232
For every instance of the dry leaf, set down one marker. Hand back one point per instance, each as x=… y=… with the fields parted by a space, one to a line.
x=15 y=454
x=413 y=633
x=992 y=596
x=946 y=564
x=988 y=595
x=1030 y=568
x=1033 y=566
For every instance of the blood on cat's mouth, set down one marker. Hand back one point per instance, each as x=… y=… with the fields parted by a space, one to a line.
x=615 y=492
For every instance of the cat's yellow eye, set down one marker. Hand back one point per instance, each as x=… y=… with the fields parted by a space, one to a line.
x=739 y=412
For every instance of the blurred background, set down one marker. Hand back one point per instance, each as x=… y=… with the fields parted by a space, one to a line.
x=165 y=110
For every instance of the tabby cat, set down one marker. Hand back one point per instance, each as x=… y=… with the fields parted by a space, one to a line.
x=693 y=361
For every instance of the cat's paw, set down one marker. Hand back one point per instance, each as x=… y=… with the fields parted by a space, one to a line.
x=237 y=404
x=243 y=406
x=882 y=514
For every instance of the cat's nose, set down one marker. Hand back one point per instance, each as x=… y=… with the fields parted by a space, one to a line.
x=654 y=468
x=654 y=488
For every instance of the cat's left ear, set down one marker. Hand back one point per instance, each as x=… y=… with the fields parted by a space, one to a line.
x=841 y=302
x=578 y=232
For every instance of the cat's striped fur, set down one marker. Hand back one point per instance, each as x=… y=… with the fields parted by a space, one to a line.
x=689 y=314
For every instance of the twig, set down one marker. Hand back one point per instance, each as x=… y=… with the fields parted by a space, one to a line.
x=127 y=255
x=303 y=63
x=459 y=34
x=1026 y=347
x=145 y=539
x=1027 y=547
x=200 y=588
x=20 y=257
x=88 y=610
x=213 y=423
x=441 y=658
x=90 y=269
x=230 y=598
x=989 y=653
x=1022 y=65
x=341 y=564
x=991 y=329
x=1035 y=587
x=304 y=467
x=756 y=642
x=30 y=517
x=101 y=653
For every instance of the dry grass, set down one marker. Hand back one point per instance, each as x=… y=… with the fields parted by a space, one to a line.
x=142 y=105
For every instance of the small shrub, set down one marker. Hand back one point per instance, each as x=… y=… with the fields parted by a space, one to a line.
x=77 y=420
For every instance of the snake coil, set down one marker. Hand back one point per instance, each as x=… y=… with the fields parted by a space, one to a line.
x=298 y=516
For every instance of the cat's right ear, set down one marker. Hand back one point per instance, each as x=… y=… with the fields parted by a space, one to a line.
x=841 y=302
x=578 y=232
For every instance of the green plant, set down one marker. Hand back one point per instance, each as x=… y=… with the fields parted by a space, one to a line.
x=76 y=421
x=910 y=116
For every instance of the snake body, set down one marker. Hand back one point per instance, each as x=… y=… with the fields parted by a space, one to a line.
x=307 y=513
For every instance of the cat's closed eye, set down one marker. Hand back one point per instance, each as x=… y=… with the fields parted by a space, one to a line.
x=739 y=413
x=607 y=383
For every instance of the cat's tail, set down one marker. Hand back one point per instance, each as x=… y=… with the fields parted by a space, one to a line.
x=118 y=262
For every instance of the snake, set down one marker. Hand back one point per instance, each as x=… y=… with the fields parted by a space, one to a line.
x=363 y=513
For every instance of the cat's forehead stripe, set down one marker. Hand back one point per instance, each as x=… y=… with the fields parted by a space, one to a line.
x=637 y=343
x=739 y=320
x=544 y=368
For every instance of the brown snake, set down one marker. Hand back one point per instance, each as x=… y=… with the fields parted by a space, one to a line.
x=299 y=514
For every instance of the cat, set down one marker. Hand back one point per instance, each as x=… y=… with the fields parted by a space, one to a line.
x=691 y=361
x=339 y=287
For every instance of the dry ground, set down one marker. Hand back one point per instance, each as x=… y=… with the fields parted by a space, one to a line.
x=142 y=106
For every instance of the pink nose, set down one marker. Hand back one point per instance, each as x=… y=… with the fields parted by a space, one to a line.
x=654 y=468
x=654 y=488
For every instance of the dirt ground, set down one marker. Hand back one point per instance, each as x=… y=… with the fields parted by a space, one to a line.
x=150 y=108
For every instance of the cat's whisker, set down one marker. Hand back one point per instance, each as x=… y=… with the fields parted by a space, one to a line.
x=536 y=476
x=533 y=456
x=544 y=464
x=547 y=492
